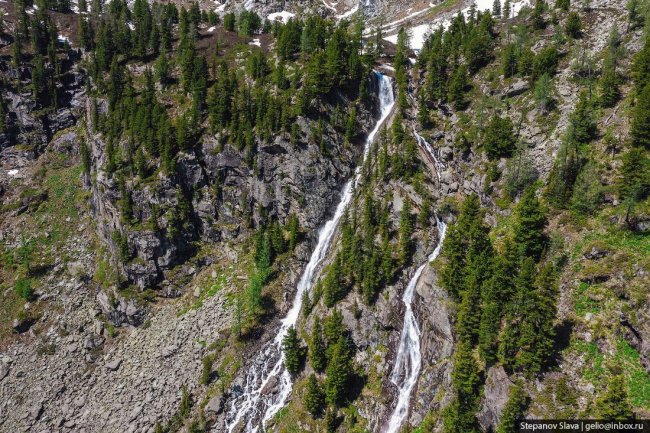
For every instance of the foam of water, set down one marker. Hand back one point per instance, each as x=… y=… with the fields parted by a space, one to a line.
x=268 y=366
x=427 y=147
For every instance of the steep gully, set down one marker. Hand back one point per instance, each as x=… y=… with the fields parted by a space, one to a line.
x=408 y=360
x=253 y=405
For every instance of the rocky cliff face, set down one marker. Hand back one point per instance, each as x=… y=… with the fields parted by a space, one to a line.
x=228 y=197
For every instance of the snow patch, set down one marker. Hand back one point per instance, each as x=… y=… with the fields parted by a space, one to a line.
x=220 y=8
x=211 y=29
x=255 y=42
x=283 y=16
x=64 y=39
x=13 y=173
x=420 y=33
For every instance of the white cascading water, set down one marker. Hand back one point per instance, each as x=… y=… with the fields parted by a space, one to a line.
x=408 y=361
x=427 y=147
x=269 y=363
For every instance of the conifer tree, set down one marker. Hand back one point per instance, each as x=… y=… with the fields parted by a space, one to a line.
x=459 y=416
x=573 y=26
x=405 y=232
x=538 y=15
x=509 y=61
x=314 y=398
x=339 y=370
x=456 y=244
x=506 y=9
x=317 y=355
x=582 y=123
x=530 y=221
x=640 y=125
x=544 y=92
x=609 y=84
x=457 y=86
x=496 y=8
x=162 y=68
x=499 y=137
x=613 y=404
x=292 y=351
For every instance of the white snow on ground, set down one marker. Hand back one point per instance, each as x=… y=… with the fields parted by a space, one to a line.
x=131 y=26
x=348 y=13
x=256 y=42
x=13 y=173
x=211 y=29
x=283 y=16
x=518 y=6
x=64 y=39
x=420 y=33
x=220 y=8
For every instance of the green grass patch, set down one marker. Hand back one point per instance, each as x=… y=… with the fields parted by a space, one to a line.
x=637 y=378
x=594 y=369
x=583 y=303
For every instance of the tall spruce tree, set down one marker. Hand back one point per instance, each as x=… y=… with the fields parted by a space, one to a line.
x=530 y=222
x=292 y=351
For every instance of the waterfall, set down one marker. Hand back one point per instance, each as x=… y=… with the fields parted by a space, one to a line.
x=268 y=366
x=427 y=147
x=409 y=359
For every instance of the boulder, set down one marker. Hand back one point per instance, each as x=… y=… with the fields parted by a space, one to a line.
x=516 y=89
x=215 y=405
x=113 y=365
x=497 y=390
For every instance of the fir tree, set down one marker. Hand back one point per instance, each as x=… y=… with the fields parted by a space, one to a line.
x=456 y=245
x=317 y=355
x=530 y=221
x=544 y=93
x=499 y=138
x=609 y=84
x=635 y=176
x=496 y=8
x=538 y=15
x=339 y=370
x=460 y=417
x=314 y=398
x=457 y=86
x=582 y=123
x=573 y=26
x=509 y=61
x=613 y=404
x=405 y=232
x=640 y=125
x=292 y=351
